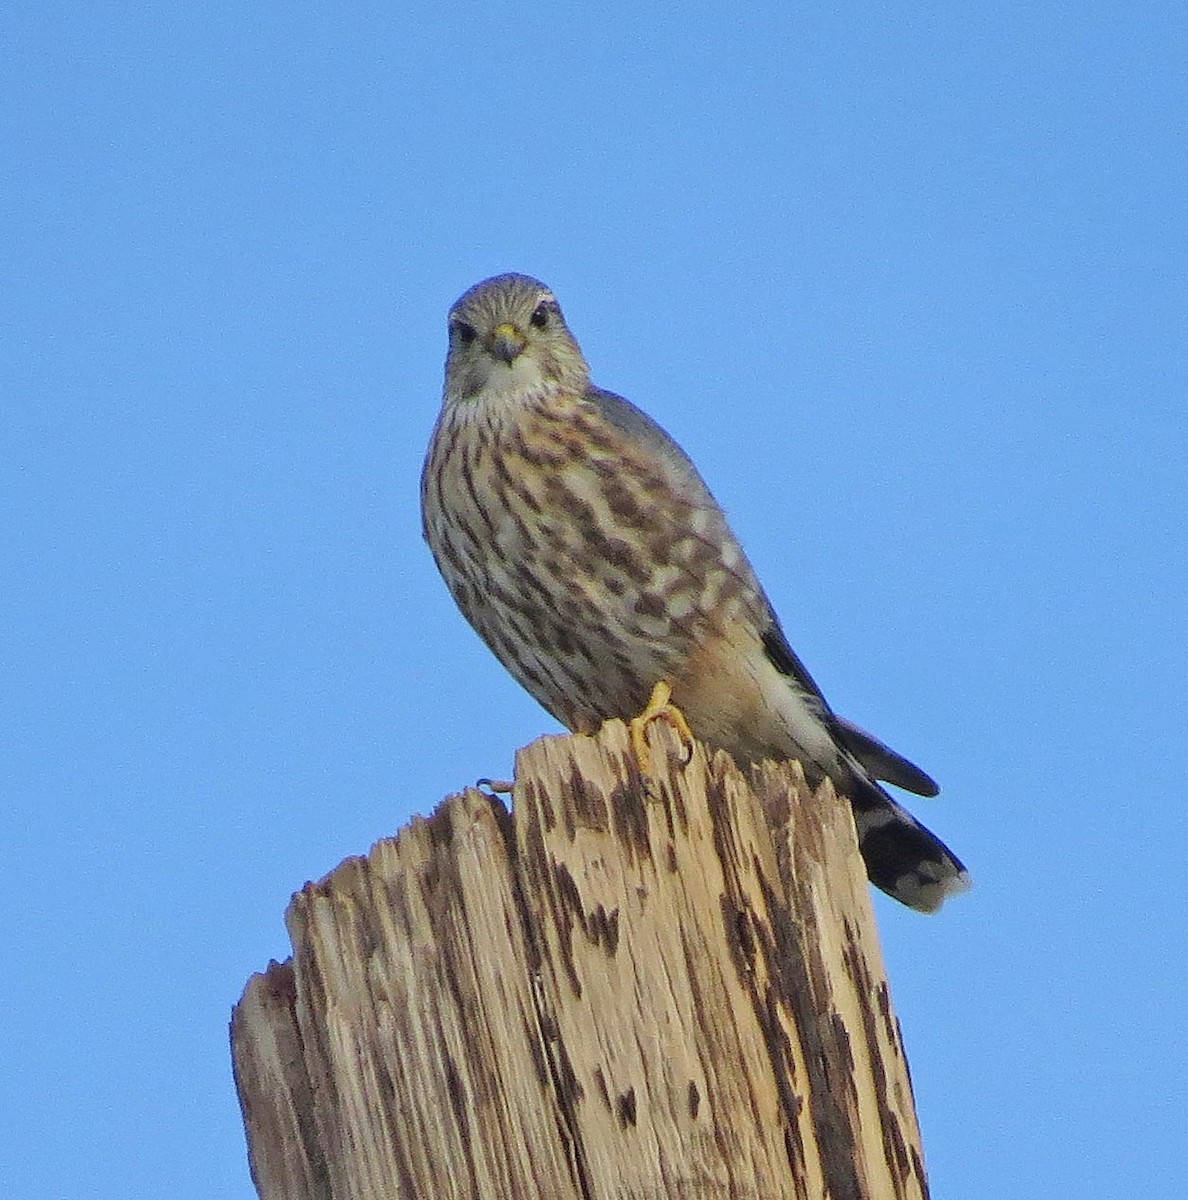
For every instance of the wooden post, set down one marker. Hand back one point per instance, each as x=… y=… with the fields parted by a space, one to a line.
x=612 y=992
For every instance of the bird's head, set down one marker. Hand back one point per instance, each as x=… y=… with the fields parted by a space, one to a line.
x=507 y=336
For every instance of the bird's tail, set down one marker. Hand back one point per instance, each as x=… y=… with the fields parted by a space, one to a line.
x=903 y=858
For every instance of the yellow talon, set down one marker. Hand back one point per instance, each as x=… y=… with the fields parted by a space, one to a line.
x=659 y=707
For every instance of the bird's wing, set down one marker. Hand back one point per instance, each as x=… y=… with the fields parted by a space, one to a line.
x=636 y=425
x=881 y=761
x=877 y=758
x=872 y=755
x=787 y=662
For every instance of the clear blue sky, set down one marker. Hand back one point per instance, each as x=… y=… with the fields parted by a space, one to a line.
x=907 y=280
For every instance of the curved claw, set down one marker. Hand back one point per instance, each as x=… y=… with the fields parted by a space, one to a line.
x=659 y=708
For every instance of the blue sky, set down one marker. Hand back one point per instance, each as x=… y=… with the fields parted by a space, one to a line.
x=907 y=280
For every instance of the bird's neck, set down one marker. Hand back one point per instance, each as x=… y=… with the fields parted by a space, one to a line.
x=498 y=406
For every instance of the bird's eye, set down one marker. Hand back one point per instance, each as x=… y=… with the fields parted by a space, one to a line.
x=540 y=318
x=462 y=331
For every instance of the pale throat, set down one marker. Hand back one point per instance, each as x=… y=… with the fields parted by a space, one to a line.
x=506 y=390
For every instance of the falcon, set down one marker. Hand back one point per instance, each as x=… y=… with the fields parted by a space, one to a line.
x=582 y=544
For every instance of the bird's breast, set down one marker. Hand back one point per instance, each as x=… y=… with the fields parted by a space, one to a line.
x=585 y=567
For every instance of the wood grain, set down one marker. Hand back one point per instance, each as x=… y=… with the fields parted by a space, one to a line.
x=620 y=990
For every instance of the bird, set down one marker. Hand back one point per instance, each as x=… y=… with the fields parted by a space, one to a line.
x=583 y=545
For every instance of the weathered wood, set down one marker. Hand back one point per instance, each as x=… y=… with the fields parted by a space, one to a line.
x=612 y=992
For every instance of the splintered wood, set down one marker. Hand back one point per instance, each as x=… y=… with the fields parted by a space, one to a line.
x=618 y=991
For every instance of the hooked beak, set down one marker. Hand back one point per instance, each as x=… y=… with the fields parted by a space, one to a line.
x=507 y=343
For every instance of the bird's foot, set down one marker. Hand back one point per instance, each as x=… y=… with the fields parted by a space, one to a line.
x=659 y=708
